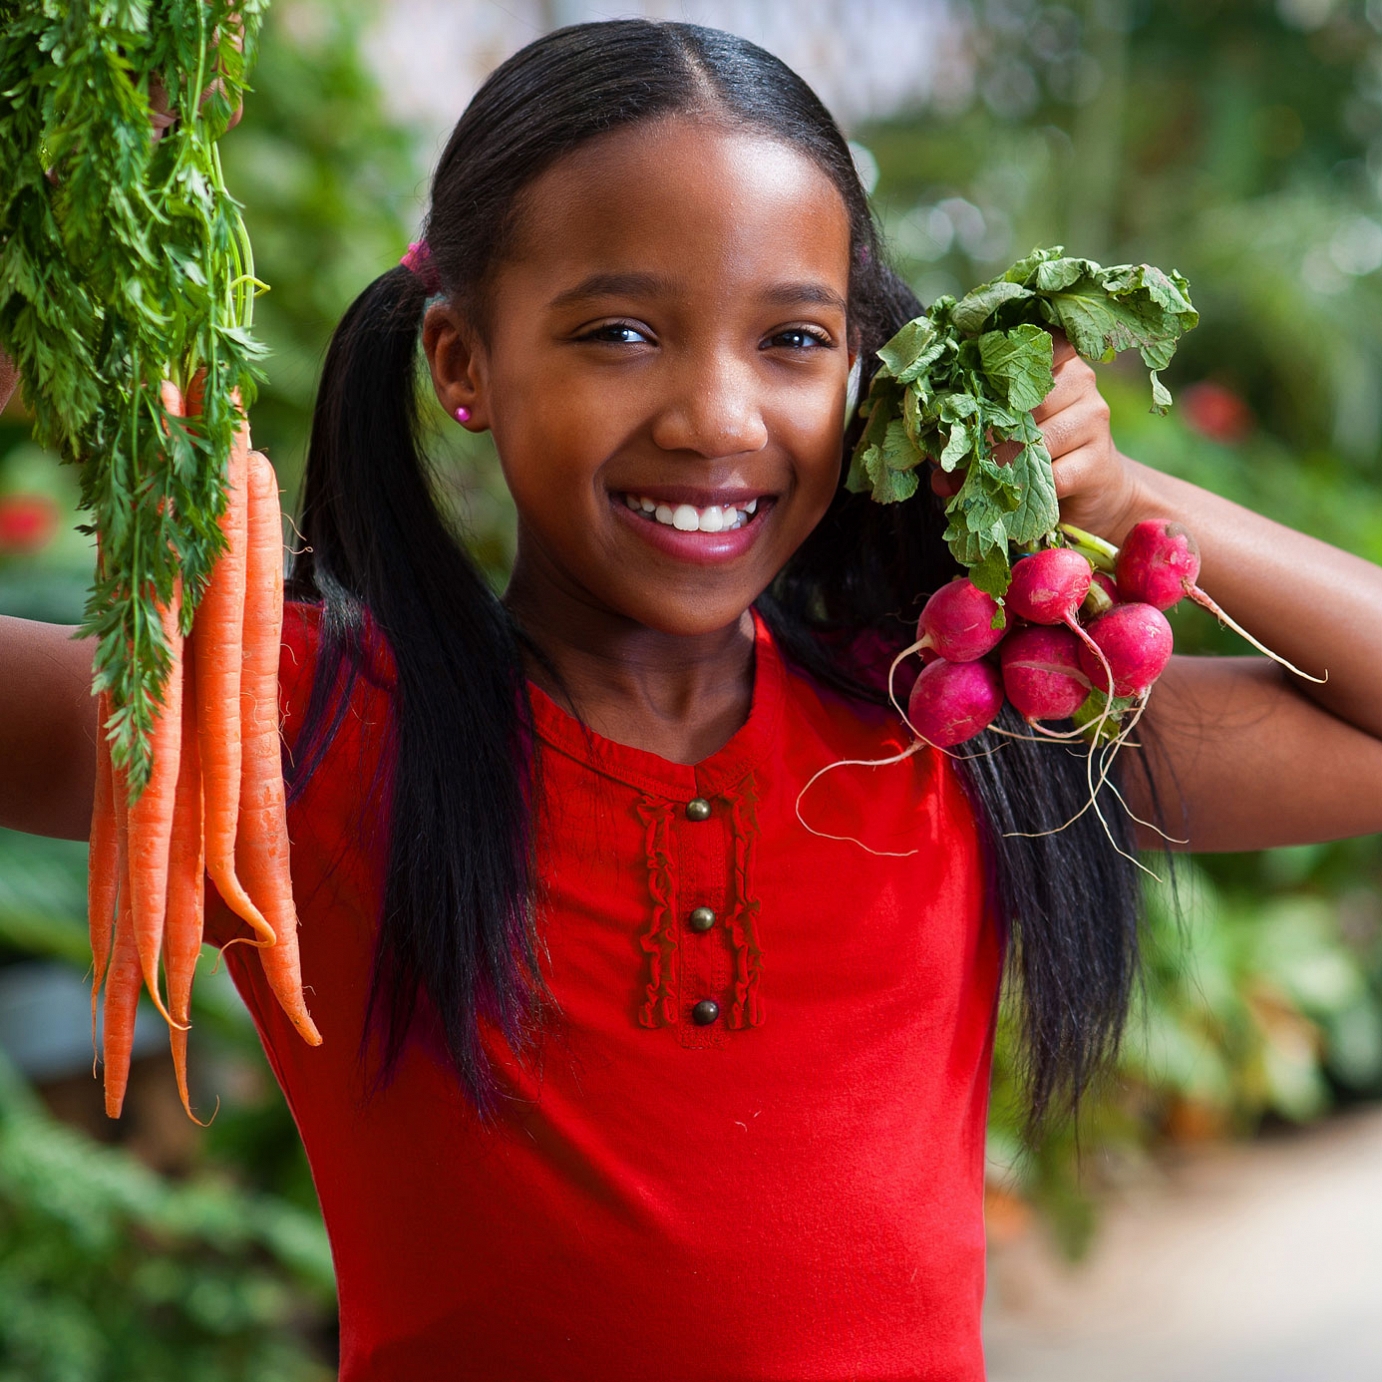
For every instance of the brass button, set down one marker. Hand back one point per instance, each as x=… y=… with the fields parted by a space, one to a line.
x=702 y=919
x=698 y=809
x=705 y=1012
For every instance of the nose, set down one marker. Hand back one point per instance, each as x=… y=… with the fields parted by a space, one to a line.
x=714 y=408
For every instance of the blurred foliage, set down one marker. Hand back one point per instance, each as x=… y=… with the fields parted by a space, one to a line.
x=108 y=1270
x=1241 y=143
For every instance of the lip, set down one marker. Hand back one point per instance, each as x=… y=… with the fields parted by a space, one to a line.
x=699 y=549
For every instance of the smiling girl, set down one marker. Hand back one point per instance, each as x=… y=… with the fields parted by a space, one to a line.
x=625 y=1072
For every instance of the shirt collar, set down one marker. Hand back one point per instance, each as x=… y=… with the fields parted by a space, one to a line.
x=648 y=772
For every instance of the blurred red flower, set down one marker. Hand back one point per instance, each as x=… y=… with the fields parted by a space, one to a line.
x=1216 y=412
x=27 y=523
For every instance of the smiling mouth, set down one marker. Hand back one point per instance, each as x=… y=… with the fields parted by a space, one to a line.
x=687 y=518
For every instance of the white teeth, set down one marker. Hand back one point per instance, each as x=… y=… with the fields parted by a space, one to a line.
x=686 y=518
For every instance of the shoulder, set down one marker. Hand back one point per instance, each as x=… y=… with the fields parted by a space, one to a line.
x=361 y=669
x=859 y=667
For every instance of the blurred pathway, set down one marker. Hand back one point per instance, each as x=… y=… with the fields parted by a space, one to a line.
x=1256 y=1263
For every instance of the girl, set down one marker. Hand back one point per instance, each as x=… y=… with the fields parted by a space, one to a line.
x=625 y=1072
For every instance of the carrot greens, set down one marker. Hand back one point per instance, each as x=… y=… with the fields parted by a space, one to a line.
x=124 y=263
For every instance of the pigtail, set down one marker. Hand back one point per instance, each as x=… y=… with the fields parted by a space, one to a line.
x=457 y=923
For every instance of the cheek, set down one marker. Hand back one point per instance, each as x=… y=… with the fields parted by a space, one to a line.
x=813 y=434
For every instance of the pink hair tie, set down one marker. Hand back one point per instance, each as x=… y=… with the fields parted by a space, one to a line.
x=418 y=260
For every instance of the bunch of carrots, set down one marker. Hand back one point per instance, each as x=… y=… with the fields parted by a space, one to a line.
x=214 y=805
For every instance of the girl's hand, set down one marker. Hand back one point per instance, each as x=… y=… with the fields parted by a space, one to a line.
x=162 y=115
x=1095 y=482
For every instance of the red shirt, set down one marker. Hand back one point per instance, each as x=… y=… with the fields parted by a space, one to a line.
x=792 y=1190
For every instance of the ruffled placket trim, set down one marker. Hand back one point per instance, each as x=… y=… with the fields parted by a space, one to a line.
x=747 y=1009
x=659 y=941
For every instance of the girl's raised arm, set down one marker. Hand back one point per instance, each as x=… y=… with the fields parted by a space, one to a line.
x=1239 y=753
x=47 y=730
x=1244 y=754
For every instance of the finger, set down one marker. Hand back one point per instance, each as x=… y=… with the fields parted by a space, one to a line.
x=9 y=379
x=1074 y=377
x=1061 y=349
x=162 y=114
x=1085 y=419
x=1080 y=470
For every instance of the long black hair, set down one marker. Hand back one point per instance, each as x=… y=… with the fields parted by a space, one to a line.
x=458 y=930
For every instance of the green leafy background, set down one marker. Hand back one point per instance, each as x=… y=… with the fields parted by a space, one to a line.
x=1224 y=141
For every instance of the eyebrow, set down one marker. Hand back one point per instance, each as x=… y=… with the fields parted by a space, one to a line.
x=644 y=285
x=602 y=285
x=817 y=294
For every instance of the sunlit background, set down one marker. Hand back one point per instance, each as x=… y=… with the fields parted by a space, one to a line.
x=1238 y=142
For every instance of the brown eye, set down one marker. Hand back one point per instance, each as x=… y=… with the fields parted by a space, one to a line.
x=617 y=333
x=799 y=338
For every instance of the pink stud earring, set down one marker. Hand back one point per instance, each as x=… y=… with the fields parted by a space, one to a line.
x=462 y=414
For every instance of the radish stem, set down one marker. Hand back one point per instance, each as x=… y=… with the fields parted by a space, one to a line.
x=1099 y=554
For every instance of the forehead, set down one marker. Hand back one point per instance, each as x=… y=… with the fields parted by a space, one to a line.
x=687 y=198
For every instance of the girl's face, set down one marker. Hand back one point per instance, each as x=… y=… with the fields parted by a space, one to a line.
x=665 y=371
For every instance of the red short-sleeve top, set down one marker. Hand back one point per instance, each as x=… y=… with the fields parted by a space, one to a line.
x=751 y=1144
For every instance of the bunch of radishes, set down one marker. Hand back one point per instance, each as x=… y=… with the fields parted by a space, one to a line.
x=1081 y=633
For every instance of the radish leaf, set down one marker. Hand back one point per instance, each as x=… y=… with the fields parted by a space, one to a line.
x=963 y=378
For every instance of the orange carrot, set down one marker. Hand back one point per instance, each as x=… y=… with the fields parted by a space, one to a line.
x=103 y=861
x=182 y=934
x=217 y=650
x=151 y=817
x=261 y=846
x=122 y=977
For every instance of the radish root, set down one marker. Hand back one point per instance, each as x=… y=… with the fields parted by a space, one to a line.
x=1106 y=756
x=859 y=763
x=1213 y=606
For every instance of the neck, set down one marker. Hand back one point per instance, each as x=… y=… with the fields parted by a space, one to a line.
x=680 y=696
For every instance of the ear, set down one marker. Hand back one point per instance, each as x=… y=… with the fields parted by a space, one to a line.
x=457 y=363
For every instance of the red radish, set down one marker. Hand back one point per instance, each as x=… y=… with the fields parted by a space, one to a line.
x=1049 y=586
x=958 y=622
x=1159 y=564
x=1136 y=641
x=1042 y=674
x=954 y=701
